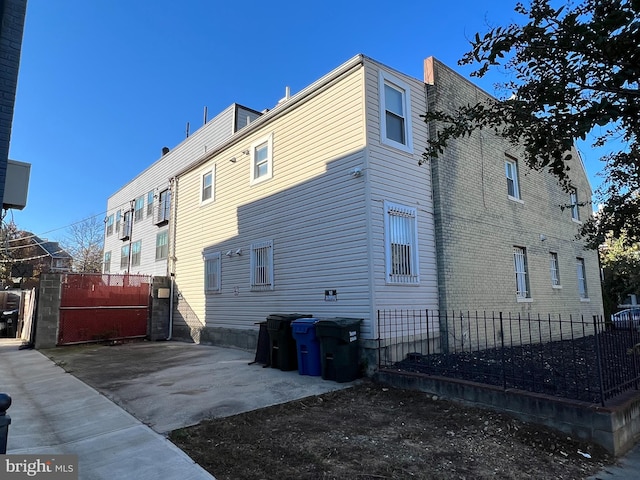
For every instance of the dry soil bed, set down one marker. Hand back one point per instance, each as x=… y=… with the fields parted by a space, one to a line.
x=373 y=432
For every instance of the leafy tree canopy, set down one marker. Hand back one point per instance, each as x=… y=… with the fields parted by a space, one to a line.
x=573 y=71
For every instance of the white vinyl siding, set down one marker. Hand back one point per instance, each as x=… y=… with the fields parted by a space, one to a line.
x=212 y=272
x=522 y=273
x=395 y=112
x=401 y=245
x=262 y=266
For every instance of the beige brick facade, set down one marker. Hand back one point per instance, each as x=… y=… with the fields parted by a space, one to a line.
x=478 y=224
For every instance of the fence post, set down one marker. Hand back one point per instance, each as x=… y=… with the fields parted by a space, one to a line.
x=598 y=357
x=5 y=421
x=504 y=373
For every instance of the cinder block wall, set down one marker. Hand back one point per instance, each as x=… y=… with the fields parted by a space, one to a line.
x=48 y=317
x=478 y=225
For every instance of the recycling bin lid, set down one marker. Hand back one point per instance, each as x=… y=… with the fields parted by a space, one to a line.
x=287 y=316
x=339 y=321
x=304 y=326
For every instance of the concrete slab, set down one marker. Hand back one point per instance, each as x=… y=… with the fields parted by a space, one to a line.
x=55 y=413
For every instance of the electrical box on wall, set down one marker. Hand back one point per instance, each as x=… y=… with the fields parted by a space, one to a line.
x=16 y=185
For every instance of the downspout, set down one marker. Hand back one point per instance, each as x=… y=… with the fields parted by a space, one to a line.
x=171 y=258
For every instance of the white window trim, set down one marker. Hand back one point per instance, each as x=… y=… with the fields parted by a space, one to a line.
x=554 y=256
x=516 y=180
x=581 y=274
x=254 y=247
x=163 y=232
x=206 y=256
x=203 y=173
x=386 y=78
x=575 y=208
x=523 y=273
x=269 y=140
x=390 y=278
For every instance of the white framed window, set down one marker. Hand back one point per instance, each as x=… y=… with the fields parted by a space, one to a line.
x=138 y=212
x=262 y=159
x=212 y=272
x=136 y=253
x=555 y=269
x=162 y=245
x=575 y=211
x=118 y=220
x=207 y=185
x=126 y=225
x=124 y=256
x=522 y=274
x=401 y=244
x=511 y=171
x=582 y=278
x=150 y=203
x=262 y=265
x=395 y=112
x=109 y=225
x=106 y=267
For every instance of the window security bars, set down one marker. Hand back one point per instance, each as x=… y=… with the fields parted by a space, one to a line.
x=520 y=266
x=573 y=357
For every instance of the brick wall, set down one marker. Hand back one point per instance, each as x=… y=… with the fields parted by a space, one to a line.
x=478 y=225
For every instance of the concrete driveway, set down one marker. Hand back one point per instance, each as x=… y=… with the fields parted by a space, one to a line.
x=169 y=385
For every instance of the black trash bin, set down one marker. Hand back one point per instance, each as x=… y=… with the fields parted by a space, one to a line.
x=339 y=348
x=8 y=323
x=282 y=345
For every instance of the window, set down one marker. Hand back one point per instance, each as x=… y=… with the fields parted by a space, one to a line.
x=207 y=186
x=262 y=160
x=139 y=208
x=401 y=244
x=118 y=219
x=106 y=268
x=150 y=203
x=262 y=266
x=575 y=212
x=136 y=248
x=162 y=245
x=522 y=275
x=395 y=112
x=126 y=225
x=582 y=278
x=163 y=207
x=212 y=272
x=511 y=170
x=124 y=256
x=110 y=225
x=555 y=272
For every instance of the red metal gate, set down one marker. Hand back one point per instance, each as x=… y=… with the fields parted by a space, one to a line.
x=97 y=307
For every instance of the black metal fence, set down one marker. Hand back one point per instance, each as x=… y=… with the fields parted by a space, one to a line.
x=571 y=357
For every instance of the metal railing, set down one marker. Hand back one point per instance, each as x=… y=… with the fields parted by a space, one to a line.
x=572 y=357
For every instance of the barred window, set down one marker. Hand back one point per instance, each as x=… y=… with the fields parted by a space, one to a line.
x=522 y=274
x=401 y=244
x=555 y=271
x=212 y=270
x=582 y=278
x=262 y=266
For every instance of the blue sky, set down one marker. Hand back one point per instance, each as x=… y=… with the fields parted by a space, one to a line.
x=105 y=84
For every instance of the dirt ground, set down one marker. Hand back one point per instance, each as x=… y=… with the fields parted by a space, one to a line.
x=374 y=432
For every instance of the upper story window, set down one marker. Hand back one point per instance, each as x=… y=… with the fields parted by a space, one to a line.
x=401 y=244
x=262 y=266
x=150 y=203
x=522 y=273
x=555 y=270
x=262 y=159
x=163 y=208
x=212 y=272
x=126 y=225
x=109 y=224
x=511 y=171
x=136 y=253
x=573 y=198
x=395 y=112
x=139 y=208
x=124 y=256
x=118 y=220
x=207 y=185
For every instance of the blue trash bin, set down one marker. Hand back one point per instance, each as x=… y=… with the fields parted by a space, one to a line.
x=308 y=346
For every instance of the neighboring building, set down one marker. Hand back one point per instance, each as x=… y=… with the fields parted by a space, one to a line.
x=56 y=258
x=507 y=236
x=12 y=15
x=137 y=229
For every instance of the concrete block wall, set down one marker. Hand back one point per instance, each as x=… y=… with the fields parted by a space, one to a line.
x=48 y=317
x=477 y=224
x=158 y=328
